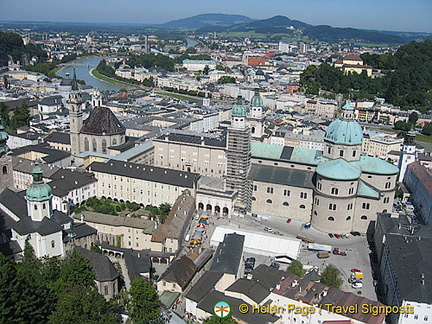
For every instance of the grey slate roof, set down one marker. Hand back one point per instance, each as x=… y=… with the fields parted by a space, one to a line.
x=145 y=172
x=51 y=100
x=203 y=286
x=80 y=230
x=180 y=271
x=26 y=166
x=102 y=121
x=57 y=137
x=267 y=276
x=45 y=227
x=102 y=267
x=250 y=288
x=228 y=254
x=52 y=155
x=65 y=181
x=15 y=202
x=411 y=259
x=195 y=139
x=284 y=176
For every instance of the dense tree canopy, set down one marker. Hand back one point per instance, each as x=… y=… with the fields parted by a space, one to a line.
x=296 y=267
x=331 y=276
x=20 y=117
x=144 y=305
x=407 y=81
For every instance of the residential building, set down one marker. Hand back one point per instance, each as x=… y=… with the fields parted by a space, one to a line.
x=143 y=184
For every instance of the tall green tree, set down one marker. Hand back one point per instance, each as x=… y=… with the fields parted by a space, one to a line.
x=413 y=117
x=427 y=129
x=331 y=276
x=296 y=267
x=4 y=115
x=144 y=305
x=9 y=294
x=36 y=300
x=76 y=271
x=21 y=116
x=82 y=305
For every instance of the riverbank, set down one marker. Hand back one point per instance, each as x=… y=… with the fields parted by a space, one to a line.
x=94 y=73
x=61 y=66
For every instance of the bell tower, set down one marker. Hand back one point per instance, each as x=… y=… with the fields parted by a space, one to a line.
x=408 y=153
x=6 y=172
x=38 y=196
x=75 y=115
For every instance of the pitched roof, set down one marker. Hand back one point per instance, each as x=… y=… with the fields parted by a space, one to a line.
x=272 y=174
x=250 y=288
x=146 y=172
x=57 y=137
x=180 y=271
x=228 y=254
x=14 y=201
x=102 y=121
x=180 y=213
x=102 y=267
x=146 y=225
x=203 y=286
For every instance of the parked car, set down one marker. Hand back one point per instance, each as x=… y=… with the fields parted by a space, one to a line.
x=288 y=220
x=355 y=234
x=355 y=270
x=307 y=225
x=336 y=235
x=275 y=265
x=357 y=285
x=331 y=235
x=339 y=252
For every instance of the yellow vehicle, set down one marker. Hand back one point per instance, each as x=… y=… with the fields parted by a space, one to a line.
x=357 y=275
x=322 y=254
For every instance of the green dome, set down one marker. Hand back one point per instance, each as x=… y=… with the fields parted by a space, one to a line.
x=38 y=190
x=256 y=100
x=338 y=170
x=4 y=149
x=345 y=130
x=239 y=109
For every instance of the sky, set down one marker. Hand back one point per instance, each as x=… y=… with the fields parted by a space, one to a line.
x=396 y=15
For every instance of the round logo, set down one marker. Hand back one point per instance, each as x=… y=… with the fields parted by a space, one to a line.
x=222 y=309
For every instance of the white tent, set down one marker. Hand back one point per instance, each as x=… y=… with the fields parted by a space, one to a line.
x=262 y=244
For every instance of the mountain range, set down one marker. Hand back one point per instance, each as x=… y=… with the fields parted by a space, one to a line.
x=206 y=23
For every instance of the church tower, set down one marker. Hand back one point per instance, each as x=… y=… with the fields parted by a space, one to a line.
x=256 y=116
x=96 y=99
x=75 y=115
x=38 y=196
x=408 y=153
x=238 y=157
x=6 y=174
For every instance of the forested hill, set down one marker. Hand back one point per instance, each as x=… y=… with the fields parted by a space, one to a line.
x=12 y=44
x=407 y=80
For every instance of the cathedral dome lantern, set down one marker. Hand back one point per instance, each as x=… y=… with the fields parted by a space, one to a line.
x=256 y=100
x=239 y=109
x=38 y=191
x=344 y=136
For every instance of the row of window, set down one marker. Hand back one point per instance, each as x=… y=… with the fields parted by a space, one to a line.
x=331 y=218
x=342 y=152
x=335 y=191
x=285 y=203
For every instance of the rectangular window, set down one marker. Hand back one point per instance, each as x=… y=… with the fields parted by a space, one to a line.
x=332 y=206
x=303 y=195
x=286 y=192
x=335 y=191
x=255 y=187
x=350 y=206
x=365 y=206
x=269 y=190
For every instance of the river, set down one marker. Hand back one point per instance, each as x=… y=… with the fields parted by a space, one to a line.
x=82 y=70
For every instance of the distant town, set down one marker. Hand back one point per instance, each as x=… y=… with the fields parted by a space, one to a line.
x=231 y=176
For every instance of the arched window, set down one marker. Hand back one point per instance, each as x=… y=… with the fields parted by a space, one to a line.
x=104 y=146
x=106 y=290
x=384 y=211
x=4 y=169
x=253 y=198
x=253 y=130
x=364 y=217
x=334 y=191
x=53 y=244
x=269 y=201
x=330 y=218
x=94 y=145
x=302 y=207
x=86 y=144
x=348 y=218
x=285 y=203
x=114 y=142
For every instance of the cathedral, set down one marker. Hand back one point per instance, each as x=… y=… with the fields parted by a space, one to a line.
x=99 y=131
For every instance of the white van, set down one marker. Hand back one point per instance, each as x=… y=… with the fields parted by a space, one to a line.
x=187 y=238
